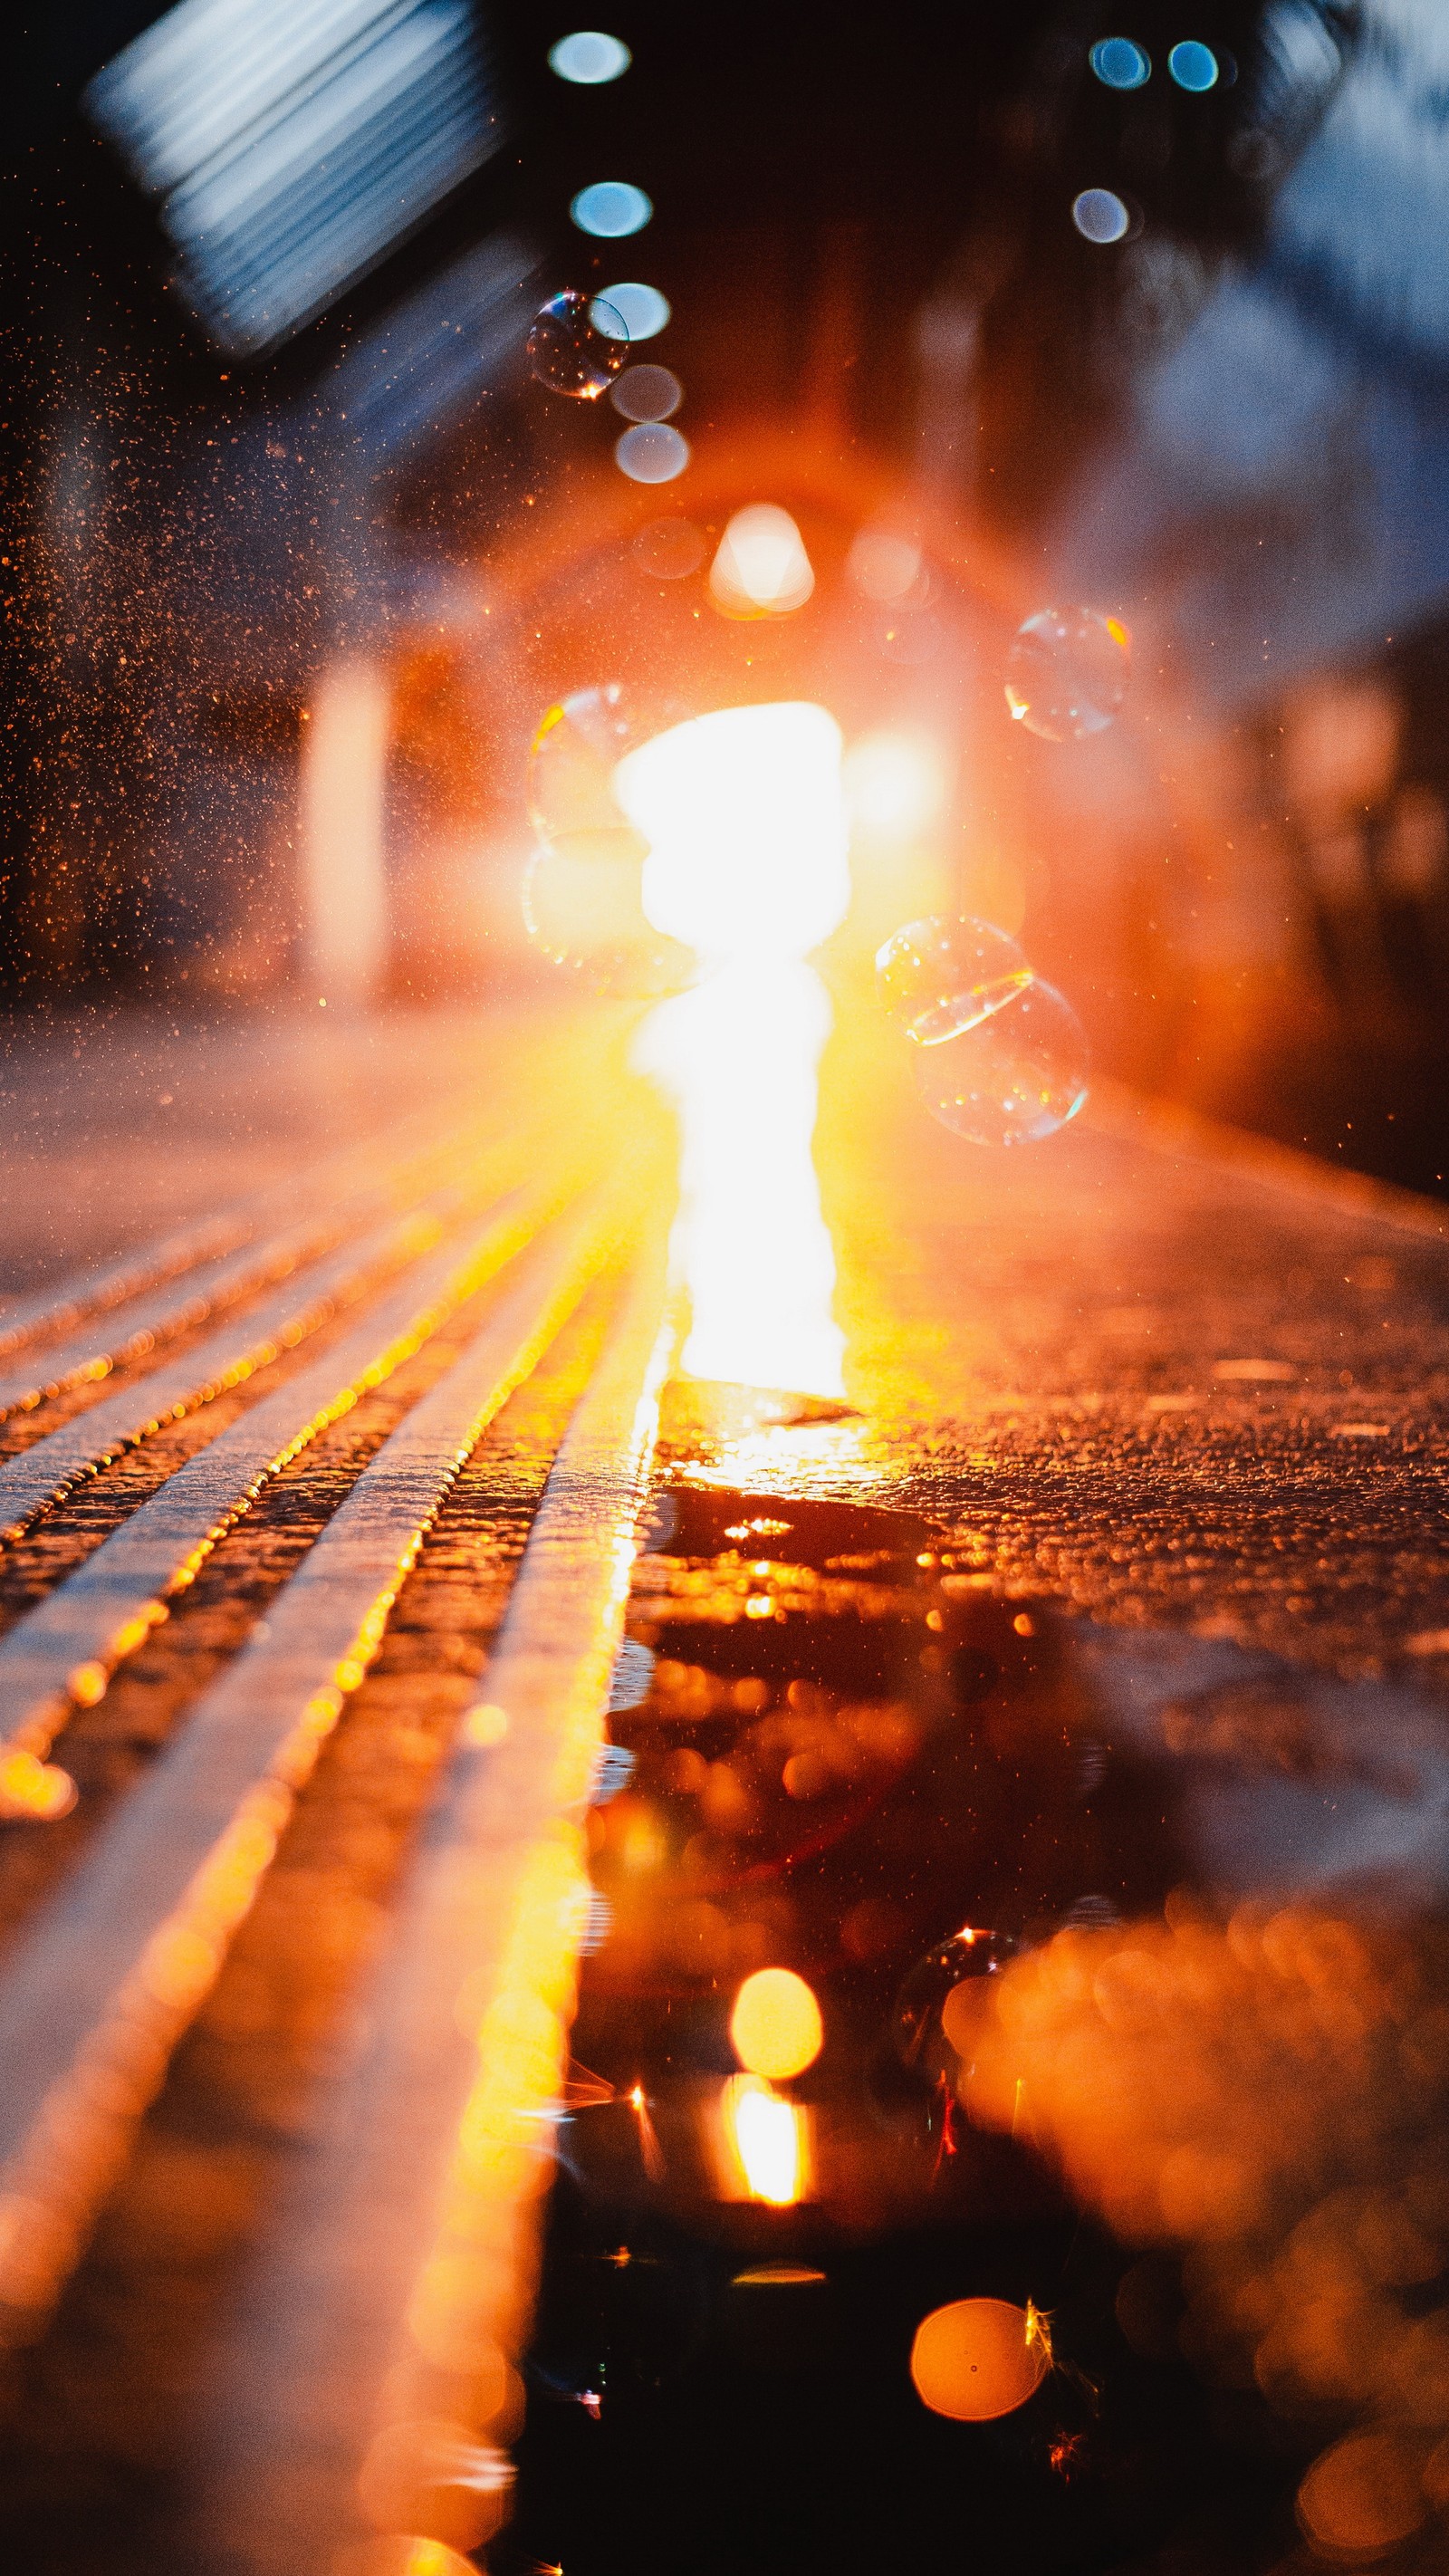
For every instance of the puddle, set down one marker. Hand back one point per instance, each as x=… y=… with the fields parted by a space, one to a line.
x=842 y=1757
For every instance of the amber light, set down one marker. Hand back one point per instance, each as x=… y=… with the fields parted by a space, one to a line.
x=776 y=2026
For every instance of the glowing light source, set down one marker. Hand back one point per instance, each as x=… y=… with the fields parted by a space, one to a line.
x=746 y=826
x=776 y=2026
x=642 y=309
x=611 y=209
x=761 y=569
x=1193 y=66
x=1120 y=62
x=1100 y=216
x=767 y=2141
x=895 y=784
x=978 y=2358
x=589 y=58
x=652 y=452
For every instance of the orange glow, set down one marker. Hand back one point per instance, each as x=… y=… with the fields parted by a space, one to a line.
x=766 y=2141
x=895 y=784
x=776 y=2026
x=978 y=2358
x=1364 y=2497
x=745 y=821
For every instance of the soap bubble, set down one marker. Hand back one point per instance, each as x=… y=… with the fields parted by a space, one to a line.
x=1066 y=673
x=1009 y=1076
x=583 y=898
x=577 y=344
x=647 y=393
x=1100 y=216
x=942 y=977
x=572 y=758
x=1121 y=62
x=919 y=2030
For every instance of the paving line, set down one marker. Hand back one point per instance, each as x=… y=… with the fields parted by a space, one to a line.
x=100 y=1989
x=369 y=2367
x=43 y=1473
x=208 y=1289
x=347 y=1180
x=61 y=1654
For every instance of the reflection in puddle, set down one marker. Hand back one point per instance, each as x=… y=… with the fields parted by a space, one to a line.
x=1023 y=2057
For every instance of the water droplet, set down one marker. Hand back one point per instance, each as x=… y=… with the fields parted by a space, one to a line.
x=1010 y=1077
x=1100 y=216
x=939 y=978
x=577 y=345
x=642 y=309
x=669 y=549
x=647 y=393
x=1067 y=671
x=652 y=453
x=918 y=2032
x=589 y=58
x=1193 y=66
x=611 y=209
x=1120 y=62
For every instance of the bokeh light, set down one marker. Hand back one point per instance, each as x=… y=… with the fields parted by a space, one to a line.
x=1013 y=1077
x=647 y=393
x=651 y=452
x=776 y=2027
x=761 y=568
x=611 y=209
x=577 y=345
x=1363 y=2497
x=895 y=783
x=977 y=2358
x=1120 y=62
x=669 y=549
x=642 y=309
x=938 y=977
x=766 y=2142
x=884 y=564
x=1193 y=66
x=589 y=58
x=1067 y=672
x=1100 y=215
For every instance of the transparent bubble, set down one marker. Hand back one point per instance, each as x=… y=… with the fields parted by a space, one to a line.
x=583 y=909
x=652 y=453
x=1101 y=216
x=611 y=209
x=1067 y=672
x=918 y=2031
x=939 y=977
x=647 y=393
x=1193 y=66
x=669 y=549
x=572 y=759
x=1012 y=1076
x=589 y=58
x=642 y=309
x=583 y=899
x=577 y=345
x=1121 y=62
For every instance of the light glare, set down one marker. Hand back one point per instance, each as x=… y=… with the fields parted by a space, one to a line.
x=1100 y=216
x=767 y=2138
x=776 y=2026
x=895 y=784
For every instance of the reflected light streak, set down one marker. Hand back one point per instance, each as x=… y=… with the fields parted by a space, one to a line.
x=767 y=2142
x=745 y=820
